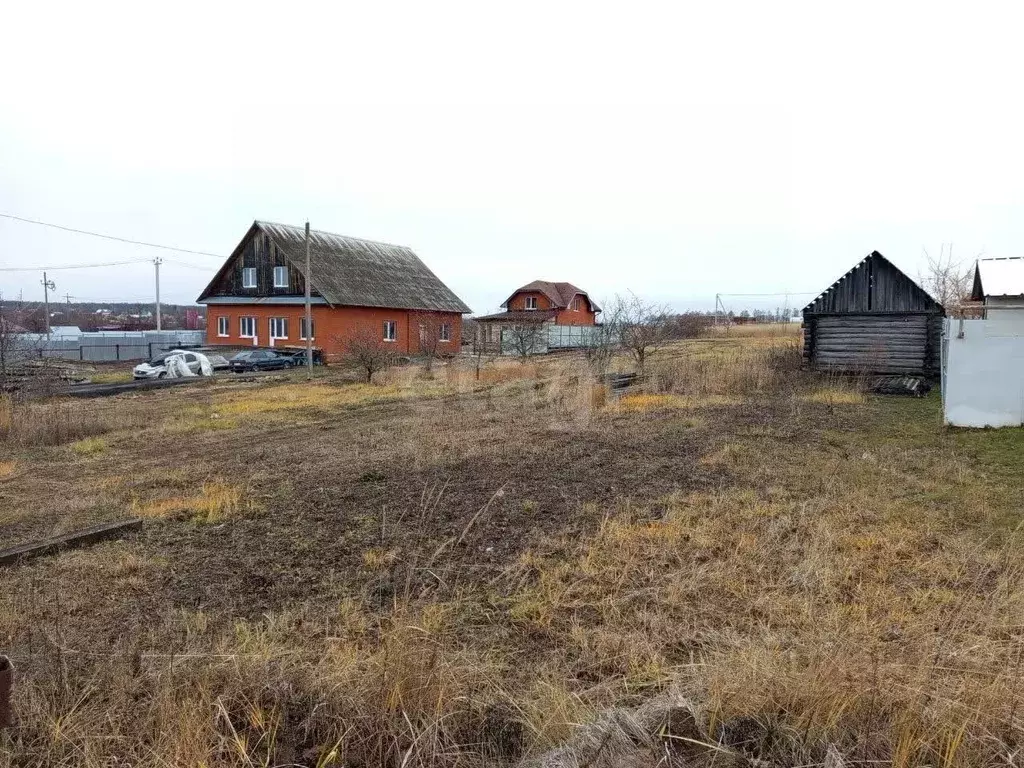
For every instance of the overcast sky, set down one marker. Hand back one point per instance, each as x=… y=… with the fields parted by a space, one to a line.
x=726 y=148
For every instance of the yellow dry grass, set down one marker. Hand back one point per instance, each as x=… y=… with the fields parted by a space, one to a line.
x=89 y=446
x=377 y=559
x=216 y=502
x=835 y=395
x=643 y=403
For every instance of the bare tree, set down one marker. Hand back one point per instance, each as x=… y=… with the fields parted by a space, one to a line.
x=602 y=341
x=435 y=334
x=948 y=280
x=10 y=341
x=643 y=327
x=366 y=351
x=525 y=338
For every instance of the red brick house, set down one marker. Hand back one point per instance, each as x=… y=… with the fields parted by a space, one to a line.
x=540 y=302
x=358 y=286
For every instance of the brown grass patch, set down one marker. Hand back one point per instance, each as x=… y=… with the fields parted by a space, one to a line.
x=215 y=503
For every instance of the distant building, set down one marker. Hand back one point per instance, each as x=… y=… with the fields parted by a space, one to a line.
x=999 y=285
x=65 y=332
x=542 y=303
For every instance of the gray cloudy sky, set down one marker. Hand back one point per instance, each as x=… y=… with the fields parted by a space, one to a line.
x=675 y=150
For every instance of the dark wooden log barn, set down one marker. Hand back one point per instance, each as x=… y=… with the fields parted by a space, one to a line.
x=874 y=319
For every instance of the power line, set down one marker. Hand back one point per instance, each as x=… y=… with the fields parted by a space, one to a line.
x=109 y=237
x=74 y=266
x=777 y=293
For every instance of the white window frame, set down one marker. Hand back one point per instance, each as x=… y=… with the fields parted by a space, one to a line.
x=302 y=328
x=444 y=333
x=275 y=327
x=223 y=326
x=531 y=302
x=283 y=282
x=390 y=330
x=241 y=327
x=246 y=273
x=575 y=303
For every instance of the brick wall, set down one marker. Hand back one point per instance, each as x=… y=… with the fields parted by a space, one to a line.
x=332 y=326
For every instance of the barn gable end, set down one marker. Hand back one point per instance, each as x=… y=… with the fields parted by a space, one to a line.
x=875 y=284
x=874 y=319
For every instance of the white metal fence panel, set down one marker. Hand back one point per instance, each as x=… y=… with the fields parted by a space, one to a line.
x=108 y=346
x=983 y=374
x=572 y=336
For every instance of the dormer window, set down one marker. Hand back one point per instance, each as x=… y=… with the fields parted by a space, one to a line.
x=576 y=304
x=531 y=302
x=280 y=277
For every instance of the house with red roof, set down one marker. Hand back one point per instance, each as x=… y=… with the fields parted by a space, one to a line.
x=539 y=303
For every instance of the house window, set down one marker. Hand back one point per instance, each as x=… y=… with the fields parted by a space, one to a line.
x=445 y=332
x=576 y=304
x=249 y=277
x=247 y=327
x=279 y=327
x=222 y=326
x=280 y=277
x=531 y=302
x=302 y=328
x=390 y=330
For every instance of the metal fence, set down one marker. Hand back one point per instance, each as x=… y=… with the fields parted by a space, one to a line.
x=573 y=336
x=105 y=346
x=541 y=339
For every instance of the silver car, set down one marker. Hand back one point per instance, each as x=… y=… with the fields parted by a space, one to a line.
x=156 y=369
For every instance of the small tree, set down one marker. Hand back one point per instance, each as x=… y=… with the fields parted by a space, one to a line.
x=947 y=280
x=524 y=338
x=366 y=351
x=431 y=329
x=602 y=341
x=643 y=327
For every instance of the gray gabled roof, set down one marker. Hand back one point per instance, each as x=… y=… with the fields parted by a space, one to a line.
x=354 y=272
x=347 y=270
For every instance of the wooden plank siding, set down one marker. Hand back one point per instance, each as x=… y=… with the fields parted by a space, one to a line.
x=874 y=319
x=257 y=250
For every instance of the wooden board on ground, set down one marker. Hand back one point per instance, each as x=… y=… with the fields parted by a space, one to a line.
x=80 y=538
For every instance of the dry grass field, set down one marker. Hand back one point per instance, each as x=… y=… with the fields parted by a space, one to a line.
x=739 y=564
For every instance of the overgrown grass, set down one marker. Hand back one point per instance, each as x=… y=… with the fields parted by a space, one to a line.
x=837 y=574
x=55 y=422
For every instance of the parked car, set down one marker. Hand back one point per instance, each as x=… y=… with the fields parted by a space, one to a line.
x=156 y=368
x=298 y=356
x=260 y=360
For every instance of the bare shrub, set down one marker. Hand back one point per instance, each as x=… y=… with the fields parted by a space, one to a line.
x=948 y=280
x=689 y=325
x=366 y=351
x=432 y=328
x=524 y=338
x=642 y=327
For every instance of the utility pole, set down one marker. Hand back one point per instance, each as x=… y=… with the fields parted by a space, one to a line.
x=309 y=314
x=156 y=262
x=48 y=285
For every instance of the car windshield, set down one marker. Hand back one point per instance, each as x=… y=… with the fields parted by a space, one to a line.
x=242 y=356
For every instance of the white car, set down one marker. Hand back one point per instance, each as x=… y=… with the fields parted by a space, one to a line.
x=156 y=369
